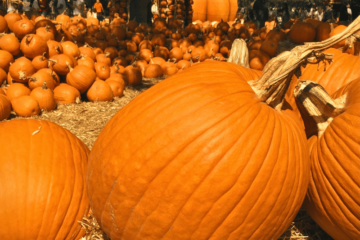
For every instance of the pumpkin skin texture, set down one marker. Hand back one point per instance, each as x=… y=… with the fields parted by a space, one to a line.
x=66 y=94
x=5 y=107
x=341 y=71
x=214 y=10
x=183 y=160
x=333 y=195
x=25 y=106
x=53 y=193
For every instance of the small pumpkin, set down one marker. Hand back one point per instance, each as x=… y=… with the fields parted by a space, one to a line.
x=45 y=97
x=133 y=75
x=25 y=106
x=60 y=63
x=10 y=43
x=23 y=27
x=104 y=58
x=117 y=87
x=145 y=54
x=176 y=53
x=87 y=51
x=258 y=59
x=45 y=33
x=70 y=48
x=3 y=25
x=100 y=91
x=54 y=47
x=81 y=77
x=21 y=70
x=153 y=71
x=17 y=90
x=102 y=70
x=40 y=62
x=33 y=45
x=6 y=59
x=40 y=77
x=66 y=94
x=3 y=76
x=86 y=61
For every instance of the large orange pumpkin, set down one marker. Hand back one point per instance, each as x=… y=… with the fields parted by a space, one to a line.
x=42 y=183
x=199 y=156
x=333 y=199
x=215 y=10
x=343 y=69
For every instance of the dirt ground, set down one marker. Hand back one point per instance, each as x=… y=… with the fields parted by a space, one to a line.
x=87 y=119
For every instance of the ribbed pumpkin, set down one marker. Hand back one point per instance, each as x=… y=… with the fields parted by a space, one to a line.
x=81 y=77
x=17 y=90
x=45 y=33
x=21 y=70
x=43 y=184
x=3 y=76
x=11 y=19
x=100 y=91
x=333 y=195
x=87 y=51
x=333 y=76
x=3 y=25
x=86 y=61
x=199 y=156
x=45 y=97
x=25 y=106
x=70 y=48
x=215 y=10
x=153 y=71
x=5 y=59
x=5 y=107
x=33 y=45
x=66 y=94
x=10 y=43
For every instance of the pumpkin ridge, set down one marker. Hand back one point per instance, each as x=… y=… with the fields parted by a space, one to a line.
x=297 y=183
x=209 y=171
x=235 y=181
x=154 y=114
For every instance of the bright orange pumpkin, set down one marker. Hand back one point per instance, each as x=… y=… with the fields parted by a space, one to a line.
x=43 y=184
x=199 y=156
x=214 y=10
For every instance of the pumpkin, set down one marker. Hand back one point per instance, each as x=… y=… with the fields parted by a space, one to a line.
x=192 y=159
x=54 y=48
x=336 y=31
x=100 y=91
x=102 y=70
x=10 y=43
x=23 y=27
x=302 y=32
x=5 y=59
x=87 y=51
x=33 y=45
x=323 y=31
x=3 y=76
x=145 y=54
x=40 y=77
x=112 y=51
x=66 y=94
x=25 y=106
x=45 y=97
x=198 y=55
x=117 y=87
x=104 y=58
x=86 y=61
x=5 y=107
x=176 y=53
x=153 y=71
x=157 y=60
x=332 y=199
x=258 y=59
x=46 y=23
x=3 y=25
x=54 y=161
x=11 y=19
x=45 y=33
x=133 y=75
x=70 y=48
x=63 y=19
x=335 y=75
x=215 y=10
x=21 y=70
x=40 y=62
x=60 y=63
x=81 y=77
x=17 y=90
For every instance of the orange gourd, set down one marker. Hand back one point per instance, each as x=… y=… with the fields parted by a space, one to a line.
x=45 y=97
x=102 y=70
x=187 y=155
x=100 y=91
x=40 y=77
x=215 y=10
x=66 y=94
x=47 y=174
x=25 y=106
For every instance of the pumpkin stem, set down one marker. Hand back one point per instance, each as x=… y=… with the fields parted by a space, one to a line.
x=44 y=86
x=32 y=79
x=107 y=54
x=277 y=74
x=318 y=103
x=22 y=75
x=239 y=53
x=69 y=66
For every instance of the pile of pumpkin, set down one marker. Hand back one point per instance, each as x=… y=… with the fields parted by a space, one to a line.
x=263 y=44
x=175 y=9
x=119 y=11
